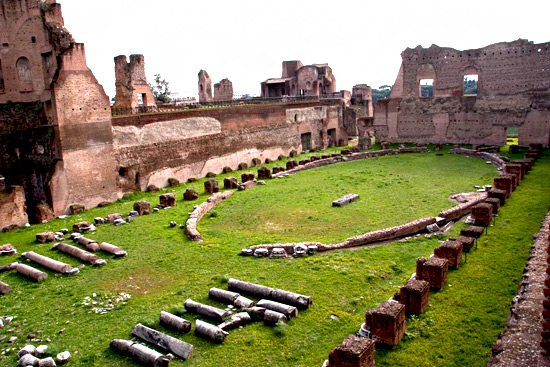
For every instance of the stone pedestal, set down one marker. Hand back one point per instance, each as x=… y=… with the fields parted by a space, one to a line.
x=386 y=323
x=415 y=296
x=495 y=203
x=277 y=169
x=355 y=351
x=504 y=182
x=167 y=200
x=264 y=173
x=467 y=242
x=211 y=186
x=230 y=183
x=524 y=166
x=482 y=214
x=142 y=207
x=450 y=250
x=499 y=194
x=291 y=165
x=514 y=169
x=247 y=176
x=433 y=270
x=190 y=194
x=472 y=231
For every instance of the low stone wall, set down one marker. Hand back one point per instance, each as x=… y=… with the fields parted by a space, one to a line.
x=386 y=234
x=200 y=211
x=13 y=212
x=495 y=159
x=461 y=210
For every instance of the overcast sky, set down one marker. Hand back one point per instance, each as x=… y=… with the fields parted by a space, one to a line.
x=246 y=40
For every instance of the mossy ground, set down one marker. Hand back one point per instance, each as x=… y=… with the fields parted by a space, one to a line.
x=164 y=268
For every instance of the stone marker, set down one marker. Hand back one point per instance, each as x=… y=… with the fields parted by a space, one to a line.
x=450 y=250
x=345 y=200
x=386 y=323
x=139 y=353
x=7 y=250
x=89 y=244
x=355 y=351
x=45 y=237
x=167 y=200
x=514 y=169
x=4 y=288
x=277 y=253
x=174 y=322
x=142 y=207
x=211 y=186
x=76 y=208
x=415 y=296
x=190 y=194
x=467 y=242
x=163 y=341
x=230 y=183
x=495 y=202
x=433 y=270
x=210 y=332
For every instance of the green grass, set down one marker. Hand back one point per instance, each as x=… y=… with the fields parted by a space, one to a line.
x=164 y=268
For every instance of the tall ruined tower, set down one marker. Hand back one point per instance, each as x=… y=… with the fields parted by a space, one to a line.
x=132 y=89
x=55 y=132
x=205 y=87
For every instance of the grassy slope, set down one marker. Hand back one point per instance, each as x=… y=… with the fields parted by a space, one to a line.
x=164 y=268
x=465 y=319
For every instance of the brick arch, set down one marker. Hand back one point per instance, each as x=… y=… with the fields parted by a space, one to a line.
x=24 y=74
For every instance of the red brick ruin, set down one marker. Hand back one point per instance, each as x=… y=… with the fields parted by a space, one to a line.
x=223 y=91
x=512 y=91
x=132 y=90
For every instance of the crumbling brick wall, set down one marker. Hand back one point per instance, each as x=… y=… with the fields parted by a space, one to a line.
x=205 y=87
x=132 y=89
x=513 y=90
x=223 y=91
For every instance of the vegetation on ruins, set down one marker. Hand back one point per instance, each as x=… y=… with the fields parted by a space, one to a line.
x=164 y=268
x=382 y=92
x=161 y=89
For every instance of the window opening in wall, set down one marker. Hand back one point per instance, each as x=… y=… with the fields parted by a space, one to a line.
x=23 y=66
x=331 y=137
x=470 y=84
x=426 y=88
x=512 y=135
x=140 y=99
x=33 y=39
x=306 y=142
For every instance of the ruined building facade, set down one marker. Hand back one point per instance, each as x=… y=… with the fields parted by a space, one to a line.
x=205 y=87
x=513 y=91
x=55 y=120
x=133 y=93
x=223 y=91
x=300 y=80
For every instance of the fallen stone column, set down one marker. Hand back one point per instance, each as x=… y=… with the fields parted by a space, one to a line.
x=8 y=267
x=4 y=288
x=161 y=340
x=210 y=332
x=295 y=299
x=112 y=249
x=139 y=353
x=240 y=319
x=174 y=322
x=355 y=351
x=345 y=200
x=233 y=298
x=79 y=254
x=89 y=244
x=247 y=185
x=49 y=263
x=206 y=310
x=289 y=311
x=273 y=317
x=31 y=272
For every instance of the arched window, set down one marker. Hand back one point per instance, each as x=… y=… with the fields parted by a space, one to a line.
x=24 y=73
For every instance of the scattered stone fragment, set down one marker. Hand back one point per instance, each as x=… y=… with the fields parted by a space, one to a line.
x=190 y=194
x=139 y=353
x=211 y=186
x=277 y=253
x=40 y=351
x=27 y=349
x=63 y=357
x=99 y=221
x=7 y=250
x=210 y=332
x=4 y=289
x=261 y=252
x=163 y=341
x=174 y=322
x=28 y=360
x=237 y=320
x=345 y=200
x=46 y=362
x=45 y=237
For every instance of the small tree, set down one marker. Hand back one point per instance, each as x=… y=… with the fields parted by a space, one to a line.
x=160 y=89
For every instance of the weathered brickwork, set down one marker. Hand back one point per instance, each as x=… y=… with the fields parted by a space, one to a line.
x=513 y=90
x=205 y=87
x=223 y=91
x=132 y=89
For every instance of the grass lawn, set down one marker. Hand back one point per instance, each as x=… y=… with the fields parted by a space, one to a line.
x=164 y=268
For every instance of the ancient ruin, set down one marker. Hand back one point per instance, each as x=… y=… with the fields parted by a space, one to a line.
x=133 y=93
x=443 y=95
x=223 y=91
x=300 y=80
x=205 y=87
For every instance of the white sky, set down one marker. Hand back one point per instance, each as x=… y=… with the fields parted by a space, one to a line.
x=246 y=40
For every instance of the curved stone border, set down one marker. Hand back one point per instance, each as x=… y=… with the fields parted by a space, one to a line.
x=200 y=211
x=495 y=159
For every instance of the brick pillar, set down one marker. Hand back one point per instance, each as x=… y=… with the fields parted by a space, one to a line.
x=386 y=323
x=504 y=182
x=355 y=351
x=450 y=250
x=482 y=214
x=514 y=169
